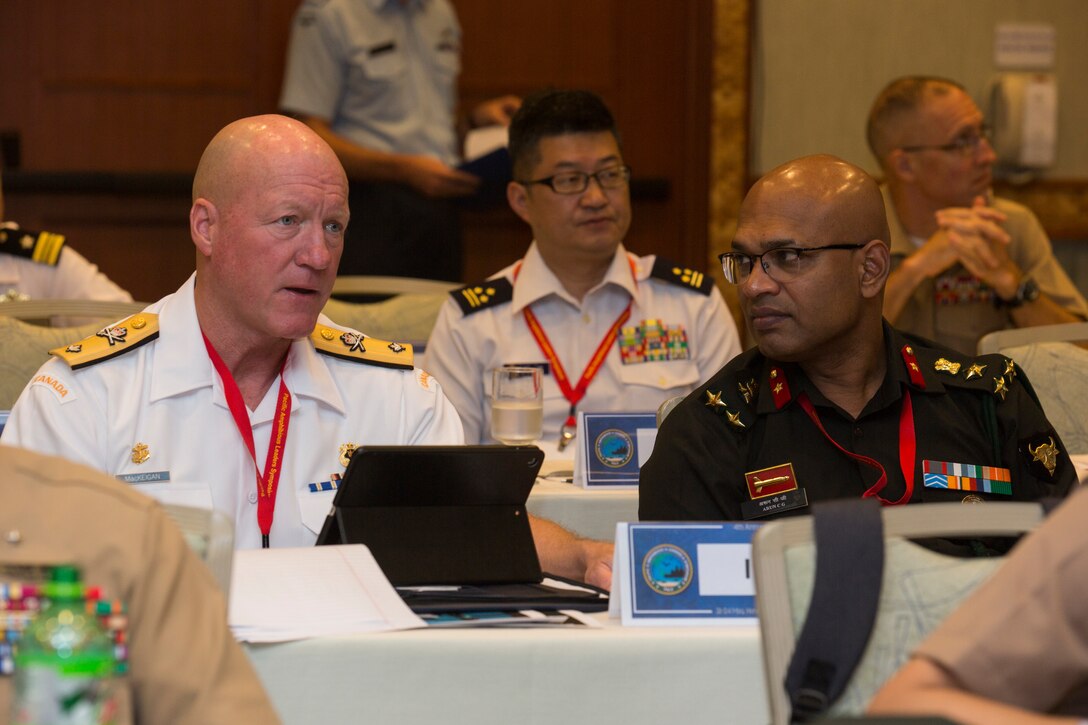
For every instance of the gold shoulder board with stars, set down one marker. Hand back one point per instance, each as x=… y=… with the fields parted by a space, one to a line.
x=677 y=274
x=111 y=341
x=348 y=345
x=476 y=297
x=41 y=247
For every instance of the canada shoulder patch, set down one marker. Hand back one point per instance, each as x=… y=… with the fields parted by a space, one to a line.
x=682 y=276
x=489 y=293
x=111 y=341
x=348 y=345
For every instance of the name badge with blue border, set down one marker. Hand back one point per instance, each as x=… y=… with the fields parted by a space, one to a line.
x=684 y=574
x=612 y=448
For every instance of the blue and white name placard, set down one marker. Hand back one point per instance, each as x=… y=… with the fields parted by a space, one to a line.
x=612 y=448
x=684 y=574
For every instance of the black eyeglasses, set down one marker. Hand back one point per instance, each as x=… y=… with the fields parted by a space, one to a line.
x=575 y=182
x=966 y=144
x=781 y=263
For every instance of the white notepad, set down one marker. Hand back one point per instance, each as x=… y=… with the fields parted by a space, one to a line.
x=285 y=594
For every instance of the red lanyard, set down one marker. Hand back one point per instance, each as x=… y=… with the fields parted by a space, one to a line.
x=577 y=392
x=906 y=449
x=273 y=464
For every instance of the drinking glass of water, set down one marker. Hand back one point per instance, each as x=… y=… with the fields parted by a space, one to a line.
x=517 y=405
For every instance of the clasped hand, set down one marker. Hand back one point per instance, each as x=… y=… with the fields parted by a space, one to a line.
x=974 y=237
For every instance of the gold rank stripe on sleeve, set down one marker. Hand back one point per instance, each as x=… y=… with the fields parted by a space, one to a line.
x=111 y=341
x=48 y=247
x=356 y=347
x=41 y=247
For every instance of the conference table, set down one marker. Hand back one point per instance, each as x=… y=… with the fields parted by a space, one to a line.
x=477 y=676
x=615 y=674
x=628 y=675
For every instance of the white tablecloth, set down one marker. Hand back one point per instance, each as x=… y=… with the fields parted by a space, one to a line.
x=620 y=675
x=589 y=512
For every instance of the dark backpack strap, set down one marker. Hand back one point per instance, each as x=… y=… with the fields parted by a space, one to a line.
x=849 y=537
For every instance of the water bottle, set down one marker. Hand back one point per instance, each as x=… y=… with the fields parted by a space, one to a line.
x=64 y=661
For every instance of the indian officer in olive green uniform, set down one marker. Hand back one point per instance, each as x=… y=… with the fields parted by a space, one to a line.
x=834 y=402
x=184 y=665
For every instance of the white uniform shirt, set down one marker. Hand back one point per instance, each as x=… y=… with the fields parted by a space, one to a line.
x=167 y=396
x=73 y=277
x=383 y=73
x=463 y=349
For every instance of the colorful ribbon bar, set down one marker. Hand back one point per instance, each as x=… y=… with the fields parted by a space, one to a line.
x=967 y=477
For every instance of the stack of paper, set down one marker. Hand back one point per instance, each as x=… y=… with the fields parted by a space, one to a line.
x=285 y=594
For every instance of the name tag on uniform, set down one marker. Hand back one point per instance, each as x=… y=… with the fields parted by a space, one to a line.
x=684 y=574
x=772 y=491
x=544 y=367
x=144 y=477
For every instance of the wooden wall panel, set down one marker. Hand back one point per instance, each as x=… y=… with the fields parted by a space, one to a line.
x=514 y=47
x=143 y=246
x=129 y=86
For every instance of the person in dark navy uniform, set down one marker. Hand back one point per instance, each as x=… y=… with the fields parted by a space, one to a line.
x=834 y=402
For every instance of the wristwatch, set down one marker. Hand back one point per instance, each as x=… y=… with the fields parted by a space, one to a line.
x=1028 y=291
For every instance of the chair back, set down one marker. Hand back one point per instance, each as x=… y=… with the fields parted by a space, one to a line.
x=1055 y=367
x=919 y=588
x=666 y=407
x=24 y=348
x=1001 y=339
x=378 y=285
x=210 y=534
x=64 y=312
x=404 y=318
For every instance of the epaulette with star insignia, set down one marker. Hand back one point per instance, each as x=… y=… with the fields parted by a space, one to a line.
x=994 y=374
x=685 y=277
x=476 y=297
x=733 y=396
x=109 y=342
x=41 y=247
x=348 y=345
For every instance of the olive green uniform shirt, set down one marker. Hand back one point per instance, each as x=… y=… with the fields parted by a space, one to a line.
x=955 y=308
x=969 y=411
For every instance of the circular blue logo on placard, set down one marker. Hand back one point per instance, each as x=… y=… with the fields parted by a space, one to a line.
x=614 y=448
x=667 y=569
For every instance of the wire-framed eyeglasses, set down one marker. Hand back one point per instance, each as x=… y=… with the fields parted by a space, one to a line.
x=781 y=263
x=575 y=182
x=966 y=144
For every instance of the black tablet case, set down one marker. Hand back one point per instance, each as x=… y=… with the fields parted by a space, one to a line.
x=449 y=515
